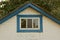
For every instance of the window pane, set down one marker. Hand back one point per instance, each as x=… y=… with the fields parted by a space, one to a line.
x=29 y=23
x=23 y=23
x=35 y=23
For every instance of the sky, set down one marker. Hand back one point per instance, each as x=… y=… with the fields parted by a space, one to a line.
x=2 y=0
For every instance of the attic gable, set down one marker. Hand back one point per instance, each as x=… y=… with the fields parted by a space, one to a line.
x=27 y=6
x=51 y=6
x=30 y=12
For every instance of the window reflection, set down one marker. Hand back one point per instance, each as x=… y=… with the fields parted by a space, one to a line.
x=23 y=23
x=35 y=23
x=29 y=23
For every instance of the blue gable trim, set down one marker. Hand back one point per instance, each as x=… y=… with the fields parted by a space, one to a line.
x=26 y=6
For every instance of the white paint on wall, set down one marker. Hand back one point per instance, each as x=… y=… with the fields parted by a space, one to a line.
x=8 y=30
x=30 y=12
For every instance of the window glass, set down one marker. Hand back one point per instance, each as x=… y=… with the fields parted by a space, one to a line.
x=29 y=23
x=23 y=23
x=35 y=23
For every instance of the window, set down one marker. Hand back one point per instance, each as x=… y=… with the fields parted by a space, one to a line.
x=29 y=23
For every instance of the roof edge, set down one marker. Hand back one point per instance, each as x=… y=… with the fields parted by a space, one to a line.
x=26 y=6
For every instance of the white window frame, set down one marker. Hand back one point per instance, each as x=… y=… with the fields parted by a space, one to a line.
x=32 y=23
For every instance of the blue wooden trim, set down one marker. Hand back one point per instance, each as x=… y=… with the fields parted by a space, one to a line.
x=18 y=23
x=29 y=15
x=41 y=23
x=26 y=6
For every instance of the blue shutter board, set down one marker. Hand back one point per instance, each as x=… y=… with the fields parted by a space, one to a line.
x=41 y=23
x=18 y=22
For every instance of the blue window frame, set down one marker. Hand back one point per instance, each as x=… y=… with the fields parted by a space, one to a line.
x=18 y=23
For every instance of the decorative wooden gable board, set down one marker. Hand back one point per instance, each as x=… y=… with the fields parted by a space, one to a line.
x=29 y=15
